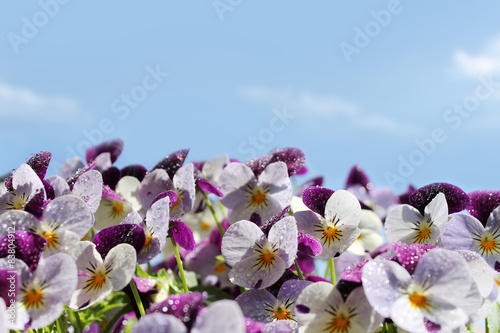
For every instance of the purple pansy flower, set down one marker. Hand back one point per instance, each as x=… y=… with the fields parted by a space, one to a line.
x=255 y=198
x=321 y=308
x=112 y=209
x=258 y=261
x=336 y=227
x=406 y=224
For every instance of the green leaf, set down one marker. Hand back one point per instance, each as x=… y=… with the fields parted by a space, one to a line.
x=494 y=318
x=141 y=273
x=191 y=279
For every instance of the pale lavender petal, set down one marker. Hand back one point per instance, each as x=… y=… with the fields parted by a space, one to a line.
x=122 y=261
x=70 y=167
x=284 y=235
x=239 y=240
x=59 y=185
x=232 y=181
x=89 y=186
x=459 y=232
x=209 y=321
x=257 y=305
x=248 y=272
x=184 y=182
x=154 y=183
x=69 y=213
x=291 y=289
x=159 y=323
x=343 y=206
x=275 y=177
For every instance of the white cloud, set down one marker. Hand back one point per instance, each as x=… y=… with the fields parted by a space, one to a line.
x=18 y=103
x=487 y=62
x=307 y=102
x=319 y=107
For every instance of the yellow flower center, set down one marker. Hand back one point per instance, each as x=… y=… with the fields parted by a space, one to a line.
x=339 y=323
x=259 y=198
x=117 y=208
x=33 y=298
x=205 y=225
x=331 y=234
x=220 y=267
x=423 y=231
x=266 y=255
x=17 y=202
x=51 y=237
x=281 y=313
x=148 y=241
x=418 y=300
x=97 y=277
x=488 y=244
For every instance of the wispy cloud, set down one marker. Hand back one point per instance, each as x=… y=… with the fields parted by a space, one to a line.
x=322 y=105
x=487 y=62
x=319 y=107
x=18 y=103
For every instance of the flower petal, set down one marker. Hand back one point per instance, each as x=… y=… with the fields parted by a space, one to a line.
x=108 y=238
x=209 y=320
x=172 y=162
x=113 y=147
x=483 y=203
x=457 y=199
x=239 y=240
x=159 y=323
x=315 y=198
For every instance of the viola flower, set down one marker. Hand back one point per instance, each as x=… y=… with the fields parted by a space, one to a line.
x=336 y=226
x=406 y=224
x=255 y=198
x=212 y=169
x=43 y=292
x=261 y=305
x=434 y=295
x=321 y=308
x=369 y=239
x=465 y=232
x=158 y=181
x=155 y=227
x=208 y=321
x=258 y=261
x=97 y=278
x=128 y=188
x=205 y=261
x=26 y=185
x=87 y=186
x=112 y=209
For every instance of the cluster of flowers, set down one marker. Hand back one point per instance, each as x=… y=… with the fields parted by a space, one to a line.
x=225 y=246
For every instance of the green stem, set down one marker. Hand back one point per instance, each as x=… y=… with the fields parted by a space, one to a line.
x=333 y=278
x=487 y=327
x=74 y=318
x=211 y=207
x=137 y=298
x=179 y=264
x=327 y=270
x=61 y=324
x=299 y=271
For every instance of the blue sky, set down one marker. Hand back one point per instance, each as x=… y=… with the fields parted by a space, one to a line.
x=244 y=77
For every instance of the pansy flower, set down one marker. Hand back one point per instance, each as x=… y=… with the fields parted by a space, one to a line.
x=26 y=186
x=255 y=198
x=43 y=292
x=97 y=278
x=262 y=306
x=258 y=261
x=406 y=224
x=158 y=181
x=206 y=261
x=321 y=308
x=112 y=209
x=465 y=232
x=333 y=219
x=435 y=295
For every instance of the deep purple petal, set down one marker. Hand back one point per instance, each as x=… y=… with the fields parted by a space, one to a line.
x=258 y=164
x=49 y=190
x=315 y=198
x=9 y=285
x=404 y=199
x=182 y=234
x=315 y=278
x=108 y=238
x=354 y=272
x=172 y=162
x=113 y=147
x=37 y=203
x=306 y=263
x=294 y=158
x=457 y=199
x=308 y=244
x=28 y=247
x=171 y=194
x=483 y=202
x=135 y=170
x=208 y=187
x=318 y=181
x=111 y=176
x=8 y=183
x=273 y=220
x=40 y=162
x=358 y=177
x=409 y=255
x=302 y=171
x=198 y=166
x=183 y=306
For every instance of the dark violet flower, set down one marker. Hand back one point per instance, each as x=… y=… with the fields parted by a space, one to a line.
x=406 y=224
x=43 y=292
x=159 y=181
x=441 y=291
x=258 y=261
x=409 y=255
x=259 y=197
x=457 y=200
x=184 y=307
x=337 y=227
x=97 y=278
x=465 y=232
x=321 y=308
x=25 y=186
x=262 y=306
x=483 y=203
